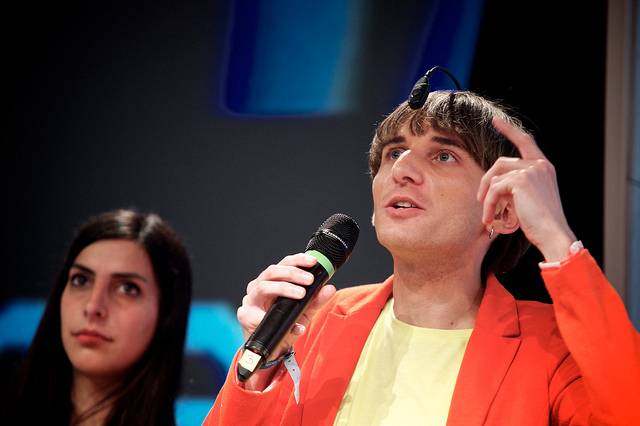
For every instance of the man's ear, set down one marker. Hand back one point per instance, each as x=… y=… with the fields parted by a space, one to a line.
x=506 y=220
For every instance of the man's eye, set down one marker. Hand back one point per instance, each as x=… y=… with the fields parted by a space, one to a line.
x=395 y=154
x=446 y=156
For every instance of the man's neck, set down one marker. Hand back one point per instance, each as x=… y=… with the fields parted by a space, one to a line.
x=438 y=295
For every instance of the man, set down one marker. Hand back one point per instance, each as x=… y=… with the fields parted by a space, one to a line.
x=441 y=341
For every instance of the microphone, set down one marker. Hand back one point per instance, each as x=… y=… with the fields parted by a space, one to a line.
x=420 y=92
x=331 y=244
x=421 y=89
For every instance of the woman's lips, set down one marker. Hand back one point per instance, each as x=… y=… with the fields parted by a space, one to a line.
x=91 y=337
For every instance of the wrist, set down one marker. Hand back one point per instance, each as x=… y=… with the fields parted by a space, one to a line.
x=557 y=248
x=575 y=248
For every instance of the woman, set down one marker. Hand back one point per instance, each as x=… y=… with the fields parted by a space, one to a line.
x=108 y=349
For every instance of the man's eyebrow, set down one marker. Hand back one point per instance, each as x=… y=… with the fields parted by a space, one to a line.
x=395 y=139
x=451 y=142
x=442 y=140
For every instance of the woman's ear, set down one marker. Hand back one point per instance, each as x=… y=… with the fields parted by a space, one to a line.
x=506 y=220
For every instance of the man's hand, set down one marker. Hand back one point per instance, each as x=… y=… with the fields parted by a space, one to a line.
x=284 y=279
x=530 y=184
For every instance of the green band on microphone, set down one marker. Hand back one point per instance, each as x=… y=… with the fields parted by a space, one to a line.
x=322 y=259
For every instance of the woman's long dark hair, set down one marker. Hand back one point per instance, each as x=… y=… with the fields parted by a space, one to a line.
x=41 y=394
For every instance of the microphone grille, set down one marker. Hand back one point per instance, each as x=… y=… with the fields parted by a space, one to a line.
x=335 y=238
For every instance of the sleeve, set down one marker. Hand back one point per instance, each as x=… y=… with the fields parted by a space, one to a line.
x=600 y=337
x=236 y=405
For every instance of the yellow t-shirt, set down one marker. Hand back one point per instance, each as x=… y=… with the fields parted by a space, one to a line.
x=405 y=375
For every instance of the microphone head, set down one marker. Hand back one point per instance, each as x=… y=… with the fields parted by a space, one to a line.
x=335 y=238
x=419 y=93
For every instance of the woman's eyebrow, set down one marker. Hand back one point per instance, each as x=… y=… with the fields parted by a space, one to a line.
x=115 y=275
x=129 y=275
x=83 y=268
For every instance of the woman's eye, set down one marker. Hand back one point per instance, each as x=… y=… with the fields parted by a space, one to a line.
x=130 y=289
x=78 y=280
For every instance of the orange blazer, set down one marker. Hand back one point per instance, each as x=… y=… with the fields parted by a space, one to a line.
x=576 y=362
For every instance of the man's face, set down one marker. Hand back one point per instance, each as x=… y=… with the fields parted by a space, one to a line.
x=425 y=196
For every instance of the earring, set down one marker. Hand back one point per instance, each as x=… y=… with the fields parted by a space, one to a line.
x=491 y=234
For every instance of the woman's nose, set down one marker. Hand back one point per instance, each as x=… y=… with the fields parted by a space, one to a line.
x=96 y=306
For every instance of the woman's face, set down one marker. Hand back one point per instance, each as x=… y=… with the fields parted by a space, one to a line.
x=109 y=309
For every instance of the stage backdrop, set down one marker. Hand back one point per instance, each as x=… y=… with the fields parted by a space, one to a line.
x=245 y=124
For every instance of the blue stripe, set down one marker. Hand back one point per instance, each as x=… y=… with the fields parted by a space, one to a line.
x=302 y=55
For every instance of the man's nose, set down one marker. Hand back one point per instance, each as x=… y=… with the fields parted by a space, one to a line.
x=406 y=170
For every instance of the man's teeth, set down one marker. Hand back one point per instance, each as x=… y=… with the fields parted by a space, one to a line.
x=404 y=204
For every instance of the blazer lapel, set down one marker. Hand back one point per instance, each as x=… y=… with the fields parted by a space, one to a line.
x=492 y=346
x=342 y=338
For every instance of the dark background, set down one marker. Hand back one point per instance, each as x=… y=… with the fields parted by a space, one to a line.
x=116 y=104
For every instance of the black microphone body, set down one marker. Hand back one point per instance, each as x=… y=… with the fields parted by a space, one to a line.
x=283 y=314
x=420 y=92
x=421 y=89
x=331 y=245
